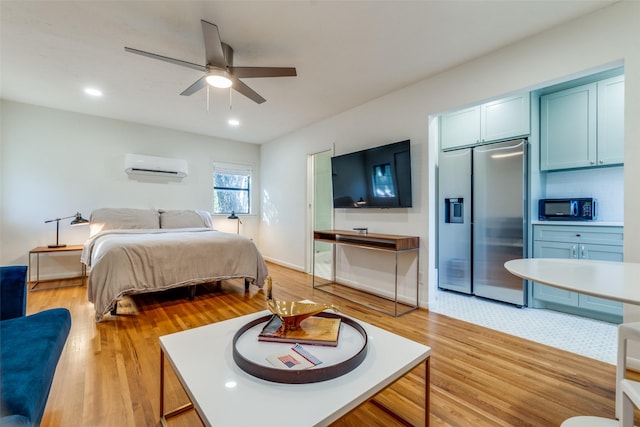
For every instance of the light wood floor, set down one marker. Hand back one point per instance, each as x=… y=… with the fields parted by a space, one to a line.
x=109 y=371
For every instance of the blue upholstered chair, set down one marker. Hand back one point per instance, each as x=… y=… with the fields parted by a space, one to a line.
x=13 y=291
x=30 y=347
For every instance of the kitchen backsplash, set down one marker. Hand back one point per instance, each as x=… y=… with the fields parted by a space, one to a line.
x=604 y=184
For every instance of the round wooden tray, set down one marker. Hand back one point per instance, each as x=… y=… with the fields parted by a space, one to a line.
x=347 y=360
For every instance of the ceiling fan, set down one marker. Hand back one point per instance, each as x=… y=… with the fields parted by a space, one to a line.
x=219 y=70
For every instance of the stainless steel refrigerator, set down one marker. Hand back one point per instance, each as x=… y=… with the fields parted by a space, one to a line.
x=482 y=219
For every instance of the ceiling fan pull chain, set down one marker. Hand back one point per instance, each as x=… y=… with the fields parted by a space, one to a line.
x=207 y=99
x=230 y=99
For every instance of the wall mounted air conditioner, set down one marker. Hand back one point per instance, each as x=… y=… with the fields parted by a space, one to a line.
x=137 y=164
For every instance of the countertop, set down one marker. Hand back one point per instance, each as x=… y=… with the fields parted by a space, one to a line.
x=616 y=281
x=581 y=223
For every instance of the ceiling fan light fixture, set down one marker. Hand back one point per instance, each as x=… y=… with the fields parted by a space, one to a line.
x=219 y=79
x=219 y=71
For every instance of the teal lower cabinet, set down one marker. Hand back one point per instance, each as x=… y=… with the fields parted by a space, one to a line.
x=579 y=242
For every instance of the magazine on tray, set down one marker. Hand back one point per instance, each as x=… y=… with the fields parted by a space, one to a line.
x=295 y=358
x=313 y=330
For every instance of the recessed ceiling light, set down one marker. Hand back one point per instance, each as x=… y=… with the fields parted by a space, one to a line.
x=93 y=91
x=234 y=122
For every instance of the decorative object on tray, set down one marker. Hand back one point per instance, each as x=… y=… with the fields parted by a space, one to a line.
x=312 y=330
x=292 y=313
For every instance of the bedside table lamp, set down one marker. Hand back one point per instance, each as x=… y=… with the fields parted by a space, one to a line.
x=234 y=216
x=77 y=220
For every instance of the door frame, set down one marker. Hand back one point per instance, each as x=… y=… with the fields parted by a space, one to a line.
x=312 y=205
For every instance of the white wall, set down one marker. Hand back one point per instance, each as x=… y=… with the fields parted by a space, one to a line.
x=55 y=163
x=592 y=43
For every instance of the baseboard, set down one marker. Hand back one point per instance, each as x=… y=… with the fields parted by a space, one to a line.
x=405 y=299
x=284 y=264
x=409 y=300
x=633 y=364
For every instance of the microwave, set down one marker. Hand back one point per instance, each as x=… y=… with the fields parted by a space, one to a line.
x=567 y=209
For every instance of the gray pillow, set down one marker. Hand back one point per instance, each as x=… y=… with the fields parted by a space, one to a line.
x=185 y=219
x=122 y=219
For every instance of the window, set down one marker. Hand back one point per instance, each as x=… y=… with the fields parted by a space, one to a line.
x=231 y=188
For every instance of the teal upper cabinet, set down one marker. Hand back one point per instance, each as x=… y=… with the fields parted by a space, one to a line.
x=568 y=128
x=460 y=128
x=493 y=121
x=583 y=126
x=505 y=118
x=611 y=121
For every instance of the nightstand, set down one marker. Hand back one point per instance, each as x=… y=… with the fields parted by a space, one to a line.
x=46 y=250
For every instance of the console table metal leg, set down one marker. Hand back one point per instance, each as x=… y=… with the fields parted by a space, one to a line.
x=395 y=295
x=334 y=255
x=418 y=280
x=313 y=265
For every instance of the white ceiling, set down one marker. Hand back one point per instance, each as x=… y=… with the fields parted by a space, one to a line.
x=346 y=53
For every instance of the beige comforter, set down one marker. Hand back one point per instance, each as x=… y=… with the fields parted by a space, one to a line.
x=125 y=262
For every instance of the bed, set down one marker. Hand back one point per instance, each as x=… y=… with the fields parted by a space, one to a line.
x=132 y=251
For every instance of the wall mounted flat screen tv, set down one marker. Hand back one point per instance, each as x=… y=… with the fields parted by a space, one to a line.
x=379 y=177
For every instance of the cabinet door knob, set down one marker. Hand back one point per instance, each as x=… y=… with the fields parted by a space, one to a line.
x=601 y=161
x=577 y=234
x=592 y=162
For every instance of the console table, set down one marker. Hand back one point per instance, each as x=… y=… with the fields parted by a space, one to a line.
x=391 y=243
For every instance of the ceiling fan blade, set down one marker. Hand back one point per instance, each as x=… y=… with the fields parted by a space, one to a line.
x=213 y=45
x=249 y=72
x=199 y=84
x=167 y=59
x=246 y=91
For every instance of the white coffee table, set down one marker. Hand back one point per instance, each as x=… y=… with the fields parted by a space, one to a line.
x=225 y=395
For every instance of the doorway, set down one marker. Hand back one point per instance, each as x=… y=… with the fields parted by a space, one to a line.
x=320 y=212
